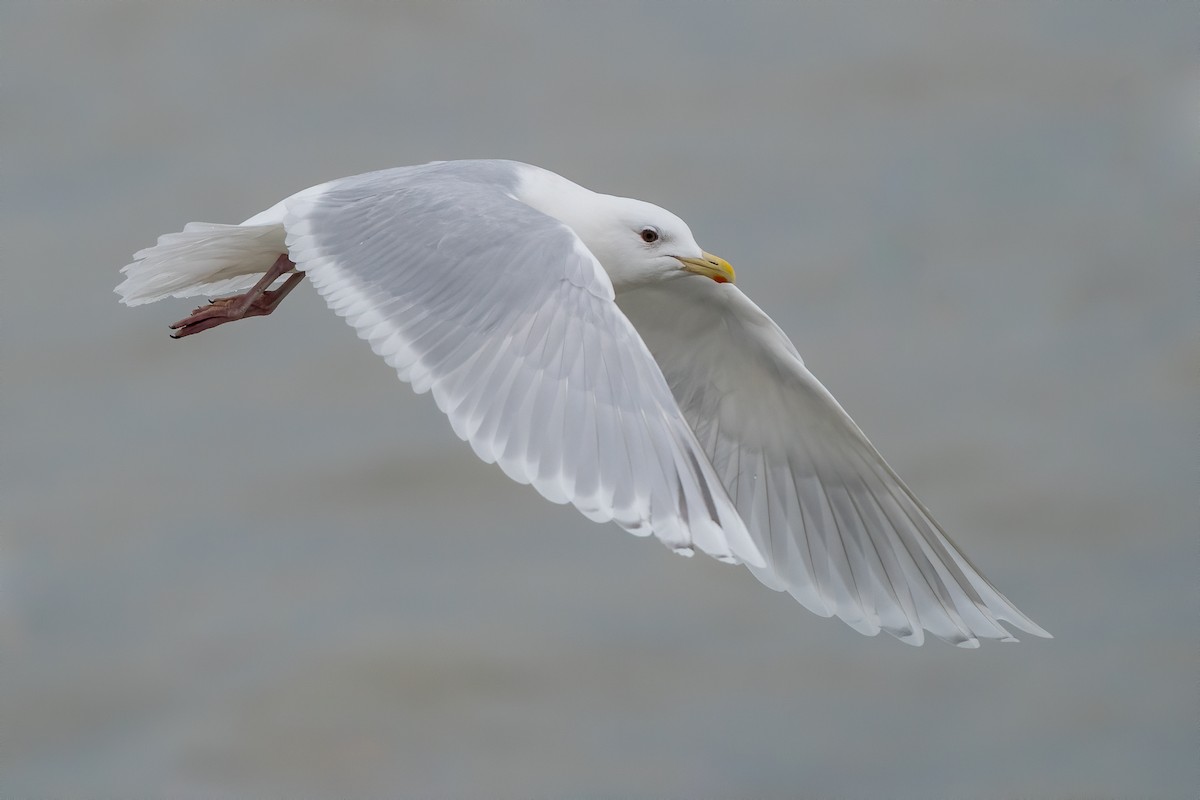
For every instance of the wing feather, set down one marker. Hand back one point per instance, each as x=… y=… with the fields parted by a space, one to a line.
x=502 y=313
x=840 y=531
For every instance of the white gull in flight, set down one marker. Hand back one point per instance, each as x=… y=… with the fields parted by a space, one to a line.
x=587 y=345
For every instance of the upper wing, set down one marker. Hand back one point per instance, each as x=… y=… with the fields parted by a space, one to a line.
x=840 y=531
x=503 y=313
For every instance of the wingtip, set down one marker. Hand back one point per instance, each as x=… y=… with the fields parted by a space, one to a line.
x=1032 y=627
x=913 y=636
x=1014 y=616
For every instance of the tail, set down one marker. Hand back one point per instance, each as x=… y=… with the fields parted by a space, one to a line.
x=204 y=258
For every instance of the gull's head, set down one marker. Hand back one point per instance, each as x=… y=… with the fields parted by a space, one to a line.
x=636 y=242
x=639 y=243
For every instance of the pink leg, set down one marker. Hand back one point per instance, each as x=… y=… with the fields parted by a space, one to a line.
x=258 y=302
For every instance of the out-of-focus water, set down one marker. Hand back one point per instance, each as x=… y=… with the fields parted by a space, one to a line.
x=252 y=564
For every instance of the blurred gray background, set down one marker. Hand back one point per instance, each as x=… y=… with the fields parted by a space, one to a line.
x=253 y=564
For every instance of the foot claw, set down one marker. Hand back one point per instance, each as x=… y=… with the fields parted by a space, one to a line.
x=258 y=302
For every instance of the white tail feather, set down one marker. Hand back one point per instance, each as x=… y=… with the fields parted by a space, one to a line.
x=203 y=259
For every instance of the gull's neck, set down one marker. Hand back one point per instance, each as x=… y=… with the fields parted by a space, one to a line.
x=558 y=197
x=589 y=214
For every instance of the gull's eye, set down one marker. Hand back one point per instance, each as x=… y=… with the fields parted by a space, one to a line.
x=649 y=235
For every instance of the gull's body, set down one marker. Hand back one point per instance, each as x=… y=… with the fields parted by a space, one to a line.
x=587 y=345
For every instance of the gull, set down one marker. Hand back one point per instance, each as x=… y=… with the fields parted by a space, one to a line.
x=588 y=346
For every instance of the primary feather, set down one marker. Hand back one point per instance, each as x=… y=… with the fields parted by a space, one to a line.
x=840 y=531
